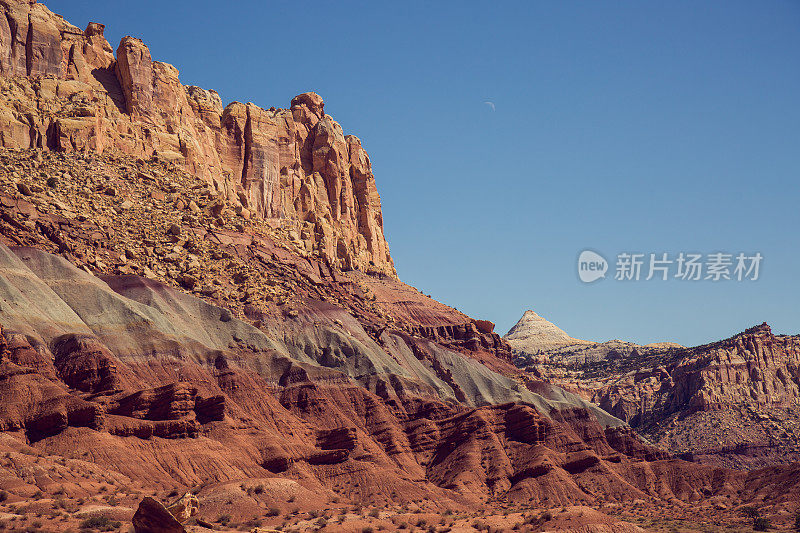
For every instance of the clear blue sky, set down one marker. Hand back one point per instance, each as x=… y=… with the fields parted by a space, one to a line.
x=618 y=126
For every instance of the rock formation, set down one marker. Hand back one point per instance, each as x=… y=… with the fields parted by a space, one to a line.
x=65 y=91
x=533 y=334
x=734 y=402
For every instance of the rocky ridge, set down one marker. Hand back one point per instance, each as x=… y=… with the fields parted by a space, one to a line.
x=734 y=402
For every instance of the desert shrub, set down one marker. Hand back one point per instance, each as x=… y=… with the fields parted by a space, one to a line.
x=367 y=530
x=99 y=523
x=273 y=511
x=224 y=519
x=3 y=495
x=750 y=511
x=797 y=521
x=375 y=513
x=761 y=524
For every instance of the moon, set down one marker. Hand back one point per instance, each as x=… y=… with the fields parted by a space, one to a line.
x=490 y=104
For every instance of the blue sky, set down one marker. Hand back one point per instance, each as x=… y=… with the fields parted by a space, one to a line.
x=618 y=126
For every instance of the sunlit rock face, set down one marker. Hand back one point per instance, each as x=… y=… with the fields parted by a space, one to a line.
x=64 y=90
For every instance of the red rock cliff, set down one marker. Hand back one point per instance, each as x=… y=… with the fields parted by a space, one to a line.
x=63 y=90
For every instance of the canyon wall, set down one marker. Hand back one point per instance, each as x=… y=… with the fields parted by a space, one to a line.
x=66 y=91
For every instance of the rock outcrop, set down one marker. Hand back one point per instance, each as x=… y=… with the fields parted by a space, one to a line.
x=736 y=402
x=63 y=90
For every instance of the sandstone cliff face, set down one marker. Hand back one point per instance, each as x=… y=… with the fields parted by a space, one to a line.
x=736 y=401
x=754 y=367
x=64 y=90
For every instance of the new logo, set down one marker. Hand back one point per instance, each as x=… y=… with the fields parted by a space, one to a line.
x=591 y=266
